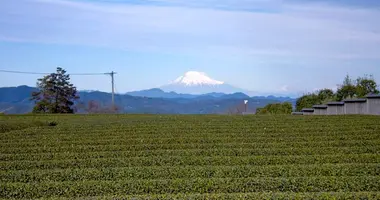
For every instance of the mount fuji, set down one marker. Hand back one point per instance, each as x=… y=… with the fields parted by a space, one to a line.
x=198 y=83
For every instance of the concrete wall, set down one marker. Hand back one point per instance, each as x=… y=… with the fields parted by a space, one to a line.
x=365 y=106
x=316 y=112
x=349 y=108
x=361 y=108
x=308 y=111
x=355 y=108
x=320 y=111
x=373 y=106
x=335 y=110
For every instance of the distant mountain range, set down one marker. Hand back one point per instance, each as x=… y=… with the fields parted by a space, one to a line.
x=159 y=93
x=15 y=100
x=192 y=93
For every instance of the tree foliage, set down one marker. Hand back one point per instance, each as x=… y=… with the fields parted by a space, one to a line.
x=55 y=94
x=359 y=88
x=307 y=101
x=319 y=97
x=276 y=108
x=366 y=85
x=346 y=92
x=326 y=95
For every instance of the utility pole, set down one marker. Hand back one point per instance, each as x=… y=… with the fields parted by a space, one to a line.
x=113 y=87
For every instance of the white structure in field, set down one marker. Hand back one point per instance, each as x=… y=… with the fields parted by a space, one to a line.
x=320 y=109
x=373 y=104
x=355 y=106
x=335 y=108
x=365 y=106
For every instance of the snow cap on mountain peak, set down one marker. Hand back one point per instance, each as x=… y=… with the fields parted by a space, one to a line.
x=196 y=78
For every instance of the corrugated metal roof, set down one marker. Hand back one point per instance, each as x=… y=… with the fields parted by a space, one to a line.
x=337 y=103
x=354 y=100
x=373 y=96
x=320 y=106
x=307 y=110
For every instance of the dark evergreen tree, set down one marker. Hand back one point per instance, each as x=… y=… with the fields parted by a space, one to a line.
x=55 y=94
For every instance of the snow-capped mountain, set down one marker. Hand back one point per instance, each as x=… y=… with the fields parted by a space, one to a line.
x=193 y=78
x=194 y=82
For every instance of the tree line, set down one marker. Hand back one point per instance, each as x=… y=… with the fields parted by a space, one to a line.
x=349 y=89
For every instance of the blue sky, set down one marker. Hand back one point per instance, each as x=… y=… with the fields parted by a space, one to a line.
x=279 y=46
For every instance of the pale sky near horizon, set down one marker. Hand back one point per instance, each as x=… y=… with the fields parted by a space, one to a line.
x=279 y=46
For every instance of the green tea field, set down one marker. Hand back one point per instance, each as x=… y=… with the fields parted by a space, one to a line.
x=189 y=157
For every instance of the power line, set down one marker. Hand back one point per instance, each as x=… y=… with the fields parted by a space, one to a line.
x=112 y=74
x=88 y=74
x=20 y=72
x=42 y=73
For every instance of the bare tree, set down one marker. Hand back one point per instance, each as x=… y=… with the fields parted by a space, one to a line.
x=94 y=107
x=237 y=109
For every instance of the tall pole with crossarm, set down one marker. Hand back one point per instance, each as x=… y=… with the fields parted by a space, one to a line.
x=113 y=87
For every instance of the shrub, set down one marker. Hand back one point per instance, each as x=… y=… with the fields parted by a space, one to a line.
x=52 y=123
x=277 y=108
